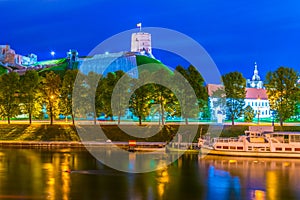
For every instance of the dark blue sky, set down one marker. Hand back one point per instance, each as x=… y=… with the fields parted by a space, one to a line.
x=234 y=33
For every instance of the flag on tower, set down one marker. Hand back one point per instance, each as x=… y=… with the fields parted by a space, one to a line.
x=139 y=25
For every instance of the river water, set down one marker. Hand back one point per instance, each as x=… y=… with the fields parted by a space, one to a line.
x=44 y=174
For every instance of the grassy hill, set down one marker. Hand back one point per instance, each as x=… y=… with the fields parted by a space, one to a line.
x=3 y=70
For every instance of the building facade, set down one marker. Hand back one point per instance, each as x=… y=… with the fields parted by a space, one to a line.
x=8 y=56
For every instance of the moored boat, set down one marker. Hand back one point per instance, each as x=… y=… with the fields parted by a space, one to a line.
x=182 y=148
x=256 y=143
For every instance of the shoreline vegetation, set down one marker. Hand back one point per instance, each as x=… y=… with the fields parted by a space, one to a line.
x=68 y=132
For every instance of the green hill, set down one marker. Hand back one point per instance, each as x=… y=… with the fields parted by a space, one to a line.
x=153 y=64
x=3 y=70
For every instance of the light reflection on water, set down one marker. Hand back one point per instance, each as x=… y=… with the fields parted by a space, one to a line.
x=43 y=174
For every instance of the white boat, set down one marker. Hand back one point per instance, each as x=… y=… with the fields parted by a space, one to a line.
x=256 y=143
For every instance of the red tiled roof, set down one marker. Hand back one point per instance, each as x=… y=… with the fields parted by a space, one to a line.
x=253 y=93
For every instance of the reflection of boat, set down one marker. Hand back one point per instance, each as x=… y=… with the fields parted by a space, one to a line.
x=257 y=143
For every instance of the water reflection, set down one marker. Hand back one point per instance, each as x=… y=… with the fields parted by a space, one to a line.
x=44 y=174
x=260 y=178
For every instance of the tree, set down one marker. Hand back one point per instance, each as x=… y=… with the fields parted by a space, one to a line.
x=192 y=75
x=235 y=90
x=249 y=114
x=9 y=84
x=118 y=86
x=67 y=93
x=50 y=90
x=139 y=103
x=91 y=84
x=283 y=92
x=29 y=94
x=162 y=95
x=218 y=101
x=80 y=96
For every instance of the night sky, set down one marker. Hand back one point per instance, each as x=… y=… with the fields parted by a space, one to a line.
x=234 y=33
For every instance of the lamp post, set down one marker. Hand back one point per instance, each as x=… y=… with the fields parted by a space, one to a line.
x=258 y=111
x=273 y=113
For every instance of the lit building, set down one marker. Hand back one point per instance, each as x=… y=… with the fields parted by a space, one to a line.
x=9 y=57
x=256 y=98
x=141 y=43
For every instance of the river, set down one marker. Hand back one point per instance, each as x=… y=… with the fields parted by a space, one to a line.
x=74 y=174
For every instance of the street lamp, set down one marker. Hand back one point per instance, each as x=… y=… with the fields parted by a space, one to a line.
x=273 y=116
x=258 y=111
x=52 y=53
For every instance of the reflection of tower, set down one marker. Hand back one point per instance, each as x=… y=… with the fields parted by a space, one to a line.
x=141 y=43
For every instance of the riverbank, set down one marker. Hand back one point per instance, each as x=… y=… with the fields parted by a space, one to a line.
x=68 y=133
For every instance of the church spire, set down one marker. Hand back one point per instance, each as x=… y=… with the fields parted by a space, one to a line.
x=255 y=76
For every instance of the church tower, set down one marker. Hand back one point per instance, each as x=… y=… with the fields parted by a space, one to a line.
x=255 y=82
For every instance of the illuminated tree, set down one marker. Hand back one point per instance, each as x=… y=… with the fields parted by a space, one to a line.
x=140 y=102
x=235 y=90
x=162 y=95
x=119 y=91
x=196 y=81
x=30 y=101
x=67 y=93
x=9 y=95
x=283 y=92
x=50 y=91
x=91 y=83
x=249 y=114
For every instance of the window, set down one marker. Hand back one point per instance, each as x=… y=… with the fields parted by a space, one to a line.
x=255 y=103
x=252 y=104
x=248 y=103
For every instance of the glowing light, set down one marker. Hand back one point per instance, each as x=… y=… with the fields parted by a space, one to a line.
x=106 y=53
x=52 y=53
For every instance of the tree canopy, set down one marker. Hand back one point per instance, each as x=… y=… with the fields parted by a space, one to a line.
x=283 y=92
x=235 y=90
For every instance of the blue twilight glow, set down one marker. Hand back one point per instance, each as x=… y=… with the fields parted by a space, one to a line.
x=235 y=33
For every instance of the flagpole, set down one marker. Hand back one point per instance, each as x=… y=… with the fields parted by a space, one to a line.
x=140 y=26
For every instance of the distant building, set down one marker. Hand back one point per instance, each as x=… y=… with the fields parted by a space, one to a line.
x=255 y=82
x=72 y=57
x=257 y=98
x=9 y=57
x=141 y=43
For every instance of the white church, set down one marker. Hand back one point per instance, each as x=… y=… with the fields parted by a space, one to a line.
x=256 y=97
